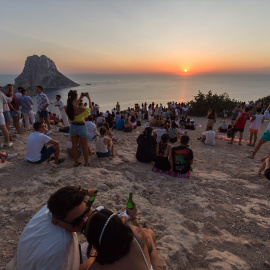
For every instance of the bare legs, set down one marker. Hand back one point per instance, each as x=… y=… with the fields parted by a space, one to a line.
x=75 y=141
x=16 y=124
x=265 y=165
x=251 y=137
x=259 y=144
x=5 y=133
x=84 y=146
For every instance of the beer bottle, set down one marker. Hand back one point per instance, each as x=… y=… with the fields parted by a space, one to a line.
x=91 y=200
x=130 y=204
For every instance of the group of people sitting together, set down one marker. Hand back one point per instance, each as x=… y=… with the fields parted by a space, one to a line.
x=85 y=123
x=111 y=240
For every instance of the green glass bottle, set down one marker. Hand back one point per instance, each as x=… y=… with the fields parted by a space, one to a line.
x=130 y=204
x=91 y=200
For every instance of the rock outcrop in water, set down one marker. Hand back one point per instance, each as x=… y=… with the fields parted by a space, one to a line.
x=42 y=71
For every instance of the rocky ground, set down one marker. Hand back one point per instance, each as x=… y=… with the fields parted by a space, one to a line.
x=217 y=219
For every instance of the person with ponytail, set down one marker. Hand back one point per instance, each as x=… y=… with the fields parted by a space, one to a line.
x=78 y=129
x=163 y=151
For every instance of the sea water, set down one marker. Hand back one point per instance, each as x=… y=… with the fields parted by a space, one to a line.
x=128 y=89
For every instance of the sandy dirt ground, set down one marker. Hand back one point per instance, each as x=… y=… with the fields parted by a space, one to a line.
x=217 y=219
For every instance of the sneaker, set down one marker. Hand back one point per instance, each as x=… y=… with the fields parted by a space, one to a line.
x=10 y=144
x=48 y=131
x=10 y=156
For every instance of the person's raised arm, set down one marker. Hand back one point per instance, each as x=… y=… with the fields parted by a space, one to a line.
x=90 y=102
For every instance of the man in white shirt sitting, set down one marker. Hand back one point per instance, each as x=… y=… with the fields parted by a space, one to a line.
x=91 y=128
x=160 y=132
x=208 y=137
x=36 y=152
x=49 y=241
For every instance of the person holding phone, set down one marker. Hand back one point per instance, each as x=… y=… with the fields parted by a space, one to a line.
x=78 y=129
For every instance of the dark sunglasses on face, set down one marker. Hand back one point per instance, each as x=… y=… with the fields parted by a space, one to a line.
x=77 y=221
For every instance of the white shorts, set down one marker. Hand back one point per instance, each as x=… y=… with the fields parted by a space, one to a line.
x=2 y=119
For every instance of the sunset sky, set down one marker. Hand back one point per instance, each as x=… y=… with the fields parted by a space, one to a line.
x=138 y=36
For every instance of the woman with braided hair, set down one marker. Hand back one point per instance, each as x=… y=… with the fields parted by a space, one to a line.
x=78 y=130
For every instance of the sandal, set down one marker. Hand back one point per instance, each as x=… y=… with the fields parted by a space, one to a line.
x=52 y=158
x=230 y=143
x=60 y=160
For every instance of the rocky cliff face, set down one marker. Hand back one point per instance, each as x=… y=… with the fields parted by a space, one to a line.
x=42 y=71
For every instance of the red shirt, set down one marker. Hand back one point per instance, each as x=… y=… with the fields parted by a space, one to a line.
x=242 y=121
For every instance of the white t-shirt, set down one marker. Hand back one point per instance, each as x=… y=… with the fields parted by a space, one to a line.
x=210 y=137
x=91 y=128
x=61 y=105
x=44 y=246
x=35 y=142
x=100 y=120
x=159 y=133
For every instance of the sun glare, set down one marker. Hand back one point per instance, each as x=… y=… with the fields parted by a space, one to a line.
x=186 y=70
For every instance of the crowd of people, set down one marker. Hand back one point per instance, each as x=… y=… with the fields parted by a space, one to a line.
x=113 y=241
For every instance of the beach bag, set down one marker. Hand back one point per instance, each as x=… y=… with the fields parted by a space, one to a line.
x=230 y=132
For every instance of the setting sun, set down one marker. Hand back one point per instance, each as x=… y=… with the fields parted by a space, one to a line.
x=185 y=70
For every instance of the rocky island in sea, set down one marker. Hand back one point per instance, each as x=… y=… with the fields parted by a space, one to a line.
x=41 y=70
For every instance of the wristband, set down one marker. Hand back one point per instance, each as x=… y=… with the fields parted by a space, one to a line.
x=137 y=223
x=133 y=218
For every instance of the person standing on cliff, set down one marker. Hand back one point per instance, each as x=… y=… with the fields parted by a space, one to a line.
x=14 y=109
x=43 y=103
x=60 y=104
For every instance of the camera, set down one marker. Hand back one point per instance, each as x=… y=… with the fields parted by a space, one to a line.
x=84 y=94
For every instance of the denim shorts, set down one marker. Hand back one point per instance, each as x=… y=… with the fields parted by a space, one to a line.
x=49 y=151
x=80 y=130
x=43 y=114
x=99 y=154
x=12 y=113
x=266 y=136
x=7 y=116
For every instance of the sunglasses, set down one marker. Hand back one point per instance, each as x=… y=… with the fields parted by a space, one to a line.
x=78 y=220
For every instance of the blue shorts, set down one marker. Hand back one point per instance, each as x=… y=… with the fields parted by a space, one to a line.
x=104 y=154
x=43 y=114
x=49 y=151
x=7 y=116
x=266 y=136
x=12 y=113
x=80 y=130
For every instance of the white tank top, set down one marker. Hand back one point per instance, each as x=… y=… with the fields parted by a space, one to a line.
x=255 y=125
x=100 y=146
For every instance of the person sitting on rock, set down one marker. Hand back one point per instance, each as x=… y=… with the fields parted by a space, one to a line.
x=104 y=145
x=36 y=150
x=181 y=157
x=208 y=137
x=116 y=245
x=146 y=150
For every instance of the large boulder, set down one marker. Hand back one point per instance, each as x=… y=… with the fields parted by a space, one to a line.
x=42 y=71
